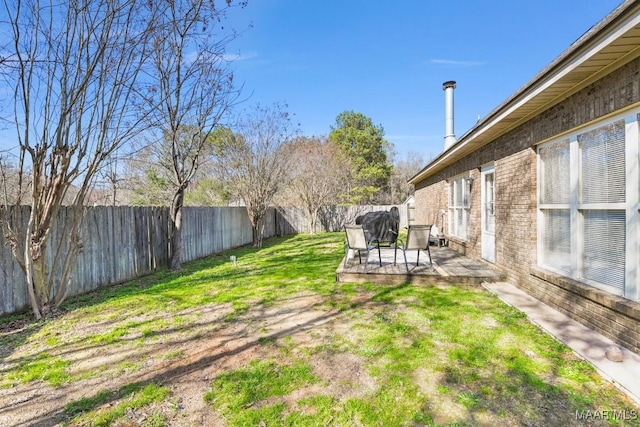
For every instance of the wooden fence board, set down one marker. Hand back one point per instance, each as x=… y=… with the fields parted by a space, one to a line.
x=124 y=242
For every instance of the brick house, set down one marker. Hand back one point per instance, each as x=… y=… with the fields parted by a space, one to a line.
x=547 y=186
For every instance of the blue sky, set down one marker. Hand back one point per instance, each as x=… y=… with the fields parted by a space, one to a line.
x=388 y=60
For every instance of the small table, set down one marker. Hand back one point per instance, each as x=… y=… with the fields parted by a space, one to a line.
x=442 y=241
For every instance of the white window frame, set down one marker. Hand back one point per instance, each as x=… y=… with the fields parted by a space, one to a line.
x=578 y=209
x=459 y=207
x=557 y=261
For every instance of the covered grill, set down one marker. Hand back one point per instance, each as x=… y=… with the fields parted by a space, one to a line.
x=381 y=226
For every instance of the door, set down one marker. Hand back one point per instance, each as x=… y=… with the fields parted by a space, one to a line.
x=488 y=178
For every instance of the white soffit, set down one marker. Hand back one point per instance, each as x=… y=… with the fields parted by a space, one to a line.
x=603 y=52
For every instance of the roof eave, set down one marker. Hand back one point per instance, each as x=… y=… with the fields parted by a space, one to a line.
x=623 y=20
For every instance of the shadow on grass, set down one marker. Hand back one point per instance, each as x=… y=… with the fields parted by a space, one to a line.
x=15 y=329
x=514 y=387
x=514 y=392
x=197 y=362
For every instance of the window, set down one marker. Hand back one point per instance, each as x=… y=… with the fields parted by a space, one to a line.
x=601 y=204
x=554 y=204
x=584 y=206
x=489 y=194
x=459 y=207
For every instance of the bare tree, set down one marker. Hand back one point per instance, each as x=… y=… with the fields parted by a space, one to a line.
x=190 y=78
x=10 y=177
x=403 y=170
x=110 y=175
x=106 y=187
x=145 y=180
x=72 y=66
x=320 y=171
x=253 y=162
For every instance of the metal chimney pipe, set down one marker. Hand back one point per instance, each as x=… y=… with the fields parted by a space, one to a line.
x=449 y=137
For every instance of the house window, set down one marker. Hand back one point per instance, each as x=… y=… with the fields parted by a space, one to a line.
x=584 y=204
x=459 y=207
x=601 y=204
x=554 y=206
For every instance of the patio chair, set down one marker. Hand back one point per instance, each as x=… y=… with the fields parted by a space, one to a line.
x=418 y=240
x=357 y=241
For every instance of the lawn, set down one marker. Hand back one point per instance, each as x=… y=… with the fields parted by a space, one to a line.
x=274 y=340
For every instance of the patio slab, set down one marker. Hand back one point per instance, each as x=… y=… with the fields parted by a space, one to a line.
x=448 y=266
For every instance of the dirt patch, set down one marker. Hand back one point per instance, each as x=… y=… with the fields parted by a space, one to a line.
x=185 y=351
x=187 y=359
x=345 y=375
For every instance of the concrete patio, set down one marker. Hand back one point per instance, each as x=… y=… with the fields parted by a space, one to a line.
x=448 y=266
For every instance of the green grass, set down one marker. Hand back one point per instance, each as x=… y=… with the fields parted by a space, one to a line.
x=236 y=393
x=431 y=355
x=131 y=397
x=42 y=366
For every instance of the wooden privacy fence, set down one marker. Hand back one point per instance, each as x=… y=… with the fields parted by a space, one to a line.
x=331 y=218
x=122 y=242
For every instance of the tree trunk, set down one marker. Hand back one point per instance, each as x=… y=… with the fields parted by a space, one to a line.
x=257 y=227
x=40 y=276
x=34 y=284
x=313 y=214
x=176 y=235
x=70 y=258
x=36 y=302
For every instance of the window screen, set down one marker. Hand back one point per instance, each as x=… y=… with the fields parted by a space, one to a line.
x=555 y=173
x=459 y=207
x=604 y=248
x=557 y=239
x=603 y=168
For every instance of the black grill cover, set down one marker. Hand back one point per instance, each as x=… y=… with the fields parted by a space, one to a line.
x=378 y=225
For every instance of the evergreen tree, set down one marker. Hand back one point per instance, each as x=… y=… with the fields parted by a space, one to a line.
x=364 y=145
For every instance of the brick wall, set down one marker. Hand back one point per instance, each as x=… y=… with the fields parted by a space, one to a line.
x=514 y=158
x=616 y=317
x=428 y=207
x=515 y=207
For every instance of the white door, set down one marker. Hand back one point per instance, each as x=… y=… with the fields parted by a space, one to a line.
x=488 y=178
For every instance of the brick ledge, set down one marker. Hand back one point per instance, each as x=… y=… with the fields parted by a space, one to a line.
x=617 y=303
